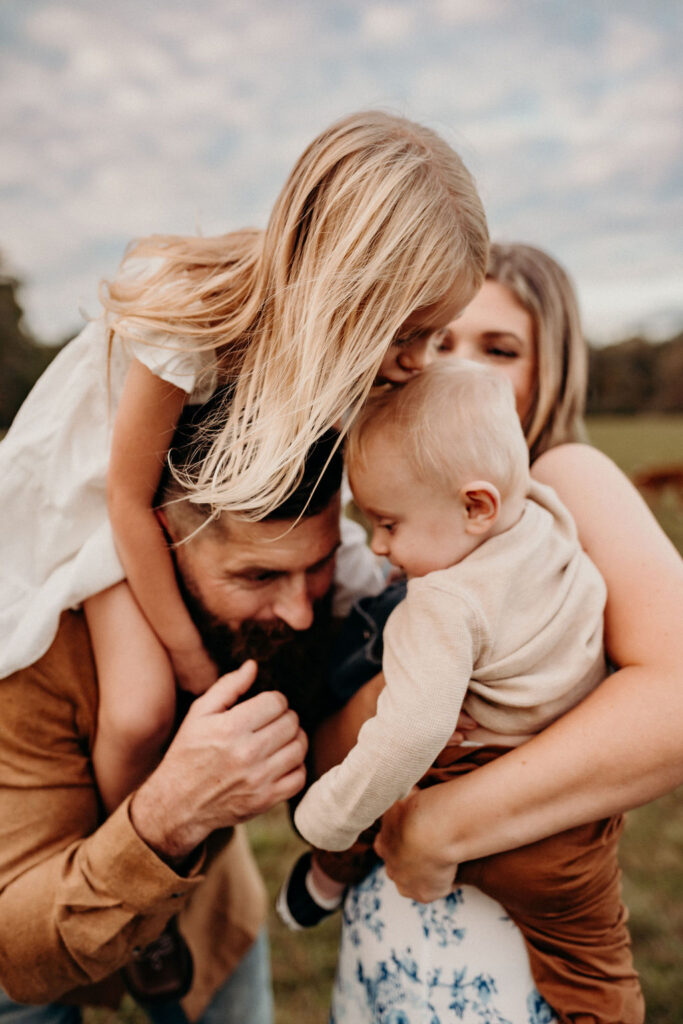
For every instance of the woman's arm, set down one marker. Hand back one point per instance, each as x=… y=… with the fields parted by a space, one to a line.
x=619 y=748
x=143 y=431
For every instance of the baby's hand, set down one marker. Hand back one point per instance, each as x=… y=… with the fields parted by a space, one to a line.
x=194 y=669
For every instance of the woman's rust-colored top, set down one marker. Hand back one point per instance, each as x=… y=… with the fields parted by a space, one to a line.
x=79 y=894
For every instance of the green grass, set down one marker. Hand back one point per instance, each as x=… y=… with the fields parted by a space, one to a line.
x=642 y=442
x=303 y=963
x=651 y=850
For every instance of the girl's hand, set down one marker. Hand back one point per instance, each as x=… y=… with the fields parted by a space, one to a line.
x=194 y=669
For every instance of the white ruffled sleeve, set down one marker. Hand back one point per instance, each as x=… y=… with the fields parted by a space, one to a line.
x=170 y=357
x=173 y=359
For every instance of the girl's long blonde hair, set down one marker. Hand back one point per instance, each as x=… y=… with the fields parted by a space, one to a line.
x=378 y=218
x=545 y=290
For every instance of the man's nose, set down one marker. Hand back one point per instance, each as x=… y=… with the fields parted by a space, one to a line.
x=414 y=358
x=293 y=604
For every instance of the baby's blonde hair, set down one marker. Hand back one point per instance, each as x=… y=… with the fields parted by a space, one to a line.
x=378 y=218
x=545 y=290
x=456 y=421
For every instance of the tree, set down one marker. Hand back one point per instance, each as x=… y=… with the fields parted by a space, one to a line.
x=22 y=359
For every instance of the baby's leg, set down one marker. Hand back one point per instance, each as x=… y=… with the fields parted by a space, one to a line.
x=136 y=693
x=308 y=895
x=564 y=894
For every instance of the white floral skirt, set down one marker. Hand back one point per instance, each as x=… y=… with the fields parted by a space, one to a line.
x=458 y=959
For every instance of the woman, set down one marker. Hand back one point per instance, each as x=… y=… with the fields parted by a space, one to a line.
x=402 y=961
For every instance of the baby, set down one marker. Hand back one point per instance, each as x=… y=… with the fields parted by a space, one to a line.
x=503 y=618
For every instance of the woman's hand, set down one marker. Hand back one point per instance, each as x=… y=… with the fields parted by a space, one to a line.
x=416 y=859
x=464 y=726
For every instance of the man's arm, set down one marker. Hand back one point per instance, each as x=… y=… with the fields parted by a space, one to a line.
x=75 y=898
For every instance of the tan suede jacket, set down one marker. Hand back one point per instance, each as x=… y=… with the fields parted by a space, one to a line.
x=78 y=894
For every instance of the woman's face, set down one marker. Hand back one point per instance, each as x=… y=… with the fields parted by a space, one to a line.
x=497 y=330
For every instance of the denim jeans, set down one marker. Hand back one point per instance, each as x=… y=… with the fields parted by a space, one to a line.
x=245 y=996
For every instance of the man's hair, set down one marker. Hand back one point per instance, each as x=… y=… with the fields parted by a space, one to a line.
x=318 y=482
x=457 y=422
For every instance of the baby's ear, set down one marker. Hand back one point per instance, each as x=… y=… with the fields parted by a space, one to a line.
x=481 y=505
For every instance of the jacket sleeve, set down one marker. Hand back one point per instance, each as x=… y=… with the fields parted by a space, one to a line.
x=429 y=651
x=76 y=896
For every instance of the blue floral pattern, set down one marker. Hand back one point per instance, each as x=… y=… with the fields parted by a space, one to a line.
x=458 y=959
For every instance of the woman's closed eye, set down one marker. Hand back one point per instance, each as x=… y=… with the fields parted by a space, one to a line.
x=502 y=352
x=501 y=345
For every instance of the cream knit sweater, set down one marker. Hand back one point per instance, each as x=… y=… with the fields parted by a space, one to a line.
x=513 y=634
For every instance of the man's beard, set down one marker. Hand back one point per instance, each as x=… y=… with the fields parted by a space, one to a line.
x=293 y=661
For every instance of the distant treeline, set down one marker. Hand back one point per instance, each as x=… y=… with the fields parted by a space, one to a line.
x=633 y=376
x=637 y=376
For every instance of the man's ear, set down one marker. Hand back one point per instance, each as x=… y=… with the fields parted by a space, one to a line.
x=481 y=505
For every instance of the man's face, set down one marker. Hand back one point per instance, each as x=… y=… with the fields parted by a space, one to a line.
x=271 y=572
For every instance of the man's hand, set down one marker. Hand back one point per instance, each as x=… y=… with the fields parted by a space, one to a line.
x=226 y=764
x=413 y=851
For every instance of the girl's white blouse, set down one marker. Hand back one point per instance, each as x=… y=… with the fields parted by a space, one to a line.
x=56 y=543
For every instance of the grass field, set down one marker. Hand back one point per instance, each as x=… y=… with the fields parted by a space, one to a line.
x=651 y=851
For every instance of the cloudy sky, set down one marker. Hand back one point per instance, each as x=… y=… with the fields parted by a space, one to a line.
x=119 y=119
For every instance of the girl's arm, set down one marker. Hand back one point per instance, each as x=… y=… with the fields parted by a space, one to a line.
x=143 y=431
x=621 y=747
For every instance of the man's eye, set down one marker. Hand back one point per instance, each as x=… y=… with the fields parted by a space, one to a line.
x=259 y=578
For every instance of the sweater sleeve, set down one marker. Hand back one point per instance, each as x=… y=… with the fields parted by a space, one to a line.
x=430 y=646
x=76 y=896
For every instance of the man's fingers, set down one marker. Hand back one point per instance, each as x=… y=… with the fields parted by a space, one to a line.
x=289 y=785
x=288 y=756
x=226 y=690
x=277 y=733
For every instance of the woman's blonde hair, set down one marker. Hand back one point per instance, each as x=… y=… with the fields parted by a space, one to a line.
x=545 y=290
x=456 y=422
x=378 y=218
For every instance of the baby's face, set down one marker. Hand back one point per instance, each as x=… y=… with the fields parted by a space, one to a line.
x=416 y=527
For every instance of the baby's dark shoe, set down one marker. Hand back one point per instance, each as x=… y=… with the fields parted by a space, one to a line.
x=162 y=971
x=299 y=905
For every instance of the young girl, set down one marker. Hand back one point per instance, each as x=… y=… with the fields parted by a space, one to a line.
x=378 y=224
x=617 y=749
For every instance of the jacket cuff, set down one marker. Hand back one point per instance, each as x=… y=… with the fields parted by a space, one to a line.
x=124 y=863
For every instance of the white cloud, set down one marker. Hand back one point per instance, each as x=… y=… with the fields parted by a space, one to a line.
x=388 y=22
x=122 y=120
